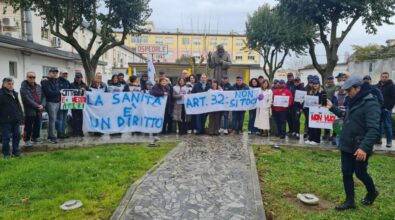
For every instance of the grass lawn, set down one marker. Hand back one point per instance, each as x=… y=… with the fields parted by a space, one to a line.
x=287 y=172
x=34 y=186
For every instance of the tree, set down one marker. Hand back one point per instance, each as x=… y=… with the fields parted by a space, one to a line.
x=103 y=17
x=273 y=38
x=326 y=17
x=195 y=66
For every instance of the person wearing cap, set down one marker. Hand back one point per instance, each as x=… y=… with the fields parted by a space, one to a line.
x=290 y=87
x=296 y=110
x=308 y=88
x=340 y=78
x=10 y=118
x=51 y=91
x=387 y=88
x=143 y=81
x=61 y=119
x=330 y=89
x=316 y=90
x=281 y=113
x=200 y=119
x=77 y=116
x=238 y=116
x=121 y=78
x=226 y=115
x=359 y=133
x=33 y=101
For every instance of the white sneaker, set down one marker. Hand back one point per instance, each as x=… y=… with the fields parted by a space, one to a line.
x=307 y=142
x=221 y=130
x=225 y=131
x=249 y=132
x=28 y=143
x=189 y=131
x=314 y=143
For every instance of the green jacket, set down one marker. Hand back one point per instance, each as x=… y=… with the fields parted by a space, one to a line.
x=361 y=127
x=330 y=91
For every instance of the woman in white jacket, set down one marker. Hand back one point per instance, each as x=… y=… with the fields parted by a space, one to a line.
x=265 y=100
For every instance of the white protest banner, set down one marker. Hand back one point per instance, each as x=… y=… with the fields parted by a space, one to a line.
x=321 y=117
x=214 y=101
x=71 y=99
x=281 y=101
x=123 y=112
x=300 y=96
x=311 y=101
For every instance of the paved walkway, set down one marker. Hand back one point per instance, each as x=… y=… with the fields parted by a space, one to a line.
x=203 y=178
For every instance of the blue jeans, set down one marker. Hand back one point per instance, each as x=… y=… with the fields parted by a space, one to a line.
x=238 y=120
x=386 y=124
x=225 y=121
x=350 y=166
x=52 y=110
x=200 y=123
x=6 y=131
x=281 y=121
x=251 y=121
x=61 y=121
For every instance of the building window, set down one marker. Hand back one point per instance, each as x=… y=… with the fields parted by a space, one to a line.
x=169 y=40
x=159 y=40
x=46 y=70
x=239 y=56
x=185 y=41
x=224 y=42
x=196 y=41
x=213 y=42
x=13 y=70
x=239 y=43
x=251 y=56
x=140 y=39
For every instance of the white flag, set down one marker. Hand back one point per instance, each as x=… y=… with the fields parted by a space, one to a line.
x=151 y=71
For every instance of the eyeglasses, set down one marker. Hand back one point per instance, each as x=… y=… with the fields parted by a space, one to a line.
x=31 y=77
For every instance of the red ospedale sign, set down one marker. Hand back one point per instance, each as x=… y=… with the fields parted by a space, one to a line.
x=151 y=49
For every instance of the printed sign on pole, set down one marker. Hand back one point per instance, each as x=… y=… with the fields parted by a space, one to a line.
x=300 y=96
x=72 y=99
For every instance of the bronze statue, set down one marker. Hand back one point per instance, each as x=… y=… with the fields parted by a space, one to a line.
x=220 y=61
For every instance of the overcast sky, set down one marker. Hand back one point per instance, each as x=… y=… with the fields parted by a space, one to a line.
x=231 y=15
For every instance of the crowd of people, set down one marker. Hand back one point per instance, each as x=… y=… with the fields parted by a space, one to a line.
x=37 y=97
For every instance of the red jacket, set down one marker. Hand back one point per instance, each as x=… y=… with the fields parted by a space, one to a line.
x=284 y=92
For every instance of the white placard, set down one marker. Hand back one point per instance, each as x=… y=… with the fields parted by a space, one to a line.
x=321 y=117
x=311 y=101
x=300 y=96
x=281 y=101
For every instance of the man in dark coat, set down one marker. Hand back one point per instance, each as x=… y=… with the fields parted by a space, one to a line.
x=202 y=86
x=387 y=88
x=358 y=135
x=10 y=118
x=226 y=116
x=291 y=88
x=77 y=117
x=33 y=100
x=238 y=116
x=62 y=114
x=51 y=91
x=168 y=129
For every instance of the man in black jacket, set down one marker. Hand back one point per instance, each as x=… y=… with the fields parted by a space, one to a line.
x=76 y=121
x=51 y=91
x=10 y=118
x=387 y=88
x=238 y=116
x=33 y=103
x=226 y=116
x=61 y=119
x=201 y=86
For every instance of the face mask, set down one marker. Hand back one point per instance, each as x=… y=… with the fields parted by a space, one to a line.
x=341 y=83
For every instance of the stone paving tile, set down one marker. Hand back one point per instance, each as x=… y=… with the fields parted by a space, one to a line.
x=208 y=178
